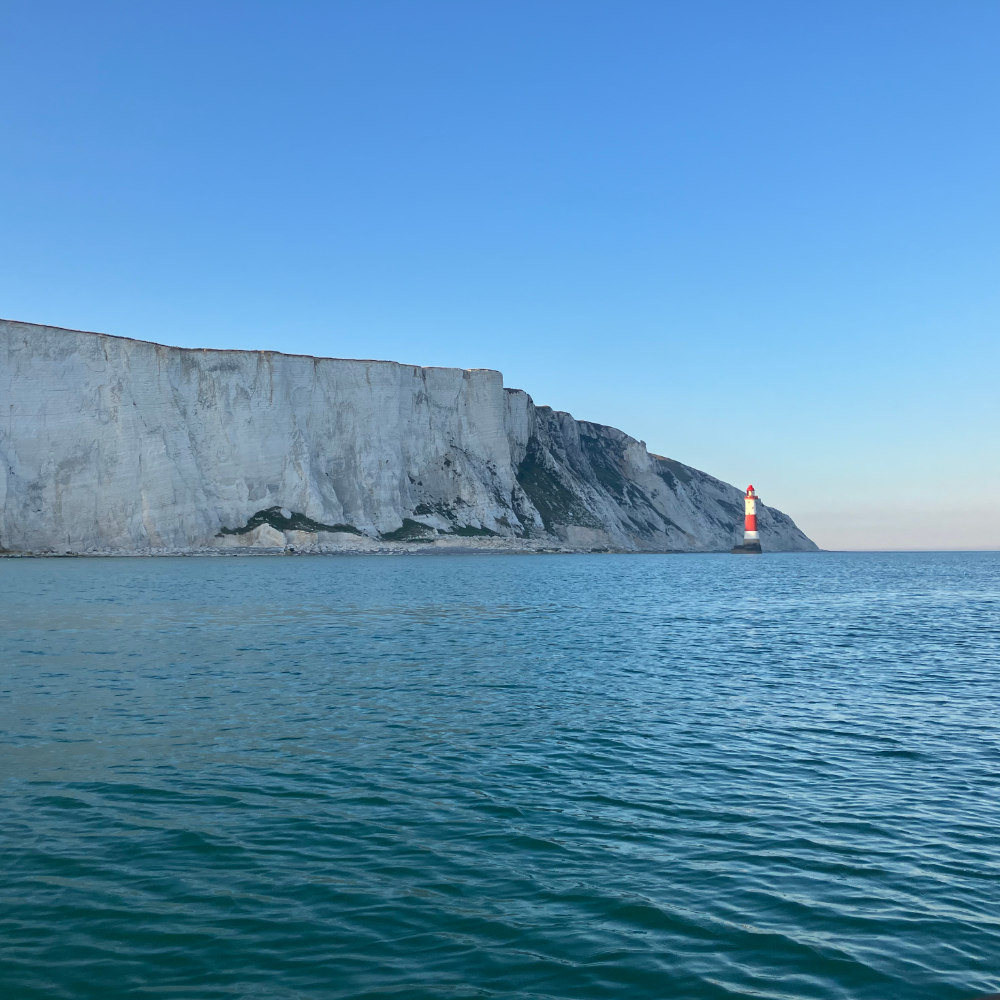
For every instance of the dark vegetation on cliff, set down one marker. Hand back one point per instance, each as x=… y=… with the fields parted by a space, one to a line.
x=276 y=518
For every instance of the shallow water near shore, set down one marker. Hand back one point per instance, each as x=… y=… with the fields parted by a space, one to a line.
x=578 y=777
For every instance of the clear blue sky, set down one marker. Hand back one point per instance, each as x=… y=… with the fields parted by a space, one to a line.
x=763 y=237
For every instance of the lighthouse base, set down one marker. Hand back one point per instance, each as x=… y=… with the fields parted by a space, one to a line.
x=747 y=548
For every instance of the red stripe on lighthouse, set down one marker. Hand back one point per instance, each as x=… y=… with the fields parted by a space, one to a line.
x=750 y=522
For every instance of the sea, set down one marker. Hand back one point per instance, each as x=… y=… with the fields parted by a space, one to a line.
x=701 y=777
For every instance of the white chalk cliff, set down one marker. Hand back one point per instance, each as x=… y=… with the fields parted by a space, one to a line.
x=112 y=445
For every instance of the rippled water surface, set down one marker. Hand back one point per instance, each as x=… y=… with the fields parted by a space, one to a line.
x=507 y=777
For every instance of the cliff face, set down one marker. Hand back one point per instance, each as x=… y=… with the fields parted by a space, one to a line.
x=122 y=446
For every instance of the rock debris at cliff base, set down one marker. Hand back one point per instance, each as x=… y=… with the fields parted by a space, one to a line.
x=117 y=446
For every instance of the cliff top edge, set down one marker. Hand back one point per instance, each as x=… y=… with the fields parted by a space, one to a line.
x=238 y=350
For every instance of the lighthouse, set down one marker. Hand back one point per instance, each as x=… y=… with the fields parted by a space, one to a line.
x=751 y=540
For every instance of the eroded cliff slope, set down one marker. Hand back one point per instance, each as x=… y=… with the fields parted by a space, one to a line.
x=114 y=445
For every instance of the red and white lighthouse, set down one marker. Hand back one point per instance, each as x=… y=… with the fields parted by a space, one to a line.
x=750 y=517
x=751 y=540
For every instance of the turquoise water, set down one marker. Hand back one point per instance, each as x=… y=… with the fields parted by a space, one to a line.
x=579 y=777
